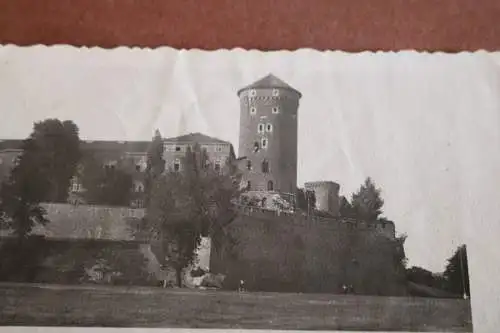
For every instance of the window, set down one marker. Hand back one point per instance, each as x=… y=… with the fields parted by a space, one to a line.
x=256 y=147
x=276 y=92
x=260 y=128
x=249 y=185
x=177 y=165
x=276 y=110
x=253 y=93
x=265 y=166
x=249 y=165
x=217 y=166
x=253 y=110
x=270 y=185
x=137 y=167
x=219 y=148
x=264 y=143
x=177 y=148
x=269 y=127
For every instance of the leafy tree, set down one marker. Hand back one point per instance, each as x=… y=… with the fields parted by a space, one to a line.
x=186 y=205
x=457 y=272
x=106 y=185
x=345 y=208
x=306 y=200
x=22 y=193
x=155 y=165
x=57 y=155
x=367 y=201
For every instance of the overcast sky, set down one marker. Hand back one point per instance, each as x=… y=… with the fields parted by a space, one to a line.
x=424 y=127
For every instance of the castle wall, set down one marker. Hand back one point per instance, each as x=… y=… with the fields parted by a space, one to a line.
x=296 y=254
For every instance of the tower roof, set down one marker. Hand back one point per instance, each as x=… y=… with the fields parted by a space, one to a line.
x=269 y=82
x=196 y=137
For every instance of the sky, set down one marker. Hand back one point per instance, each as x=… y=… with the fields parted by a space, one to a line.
x=423 y=126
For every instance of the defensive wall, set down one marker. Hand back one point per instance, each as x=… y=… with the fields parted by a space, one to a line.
x=291 y=252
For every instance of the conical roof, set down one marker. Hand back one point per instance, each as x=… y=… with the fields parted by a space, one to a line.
x=269 y=82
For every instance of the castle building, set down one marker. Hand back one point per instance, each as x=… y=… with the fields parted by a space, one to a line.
x=327 y=196
x=268 y=135
x=218 y=152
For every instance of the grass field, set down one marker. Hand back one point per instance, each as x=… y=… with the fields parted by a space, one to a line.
x=45 y=305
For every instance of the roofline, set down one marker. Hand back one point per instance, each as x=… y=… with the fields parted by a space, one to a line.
x=283 y=88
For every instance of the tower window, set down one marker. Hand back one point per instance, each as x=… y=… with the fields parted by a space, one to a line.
x=177 y=165
x=253 y=93
x=269 y=127
x=260 y=128
x=265 y=166
x=253 y=110
x=270 y=185
x=276 y=110
x=249 y=165
x=276 y=92
x=256 y=147
x=264 y=143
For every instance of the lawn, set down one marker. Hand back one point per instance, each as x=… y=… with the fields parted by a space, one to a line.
x=45 y=305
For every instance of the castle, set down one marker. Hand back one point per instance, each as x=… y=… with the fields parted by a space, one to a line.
x=278 y=247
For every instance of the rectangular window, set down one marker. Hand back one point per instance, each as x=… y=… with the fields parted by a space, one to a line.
x=177 y=165
x=177 y=148
x=217 y=166
x=264 y=143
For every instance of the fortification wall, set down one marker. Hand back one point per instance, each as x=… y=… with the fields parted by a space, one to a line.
x=299 y=254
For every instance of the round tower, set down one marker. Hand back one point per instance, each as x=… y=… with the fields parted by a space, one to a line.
x=327 y=195
x=268 y=135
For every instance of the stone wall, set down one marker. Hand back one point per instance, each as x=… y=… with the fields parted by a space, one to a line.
x=299 y=254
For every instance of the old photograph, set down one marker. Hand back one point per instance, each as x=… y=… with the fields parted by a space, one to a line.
x=235 y=189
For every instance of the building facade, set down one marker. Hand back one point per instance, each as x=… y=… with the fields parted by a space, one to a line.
x=268 y=135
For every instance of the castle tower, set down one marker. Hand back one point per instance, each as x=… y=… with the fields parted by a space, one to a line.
x=268 y=135
x=327 y=196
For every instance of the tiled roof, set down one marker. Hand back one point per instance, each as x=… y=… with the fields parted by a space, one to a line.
x=10 y=144
x=196 y=137
x=269 y=82
x=88 y=145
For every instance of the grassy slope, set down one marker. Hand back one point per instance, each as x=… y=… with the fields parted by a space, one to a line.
x=150 y=307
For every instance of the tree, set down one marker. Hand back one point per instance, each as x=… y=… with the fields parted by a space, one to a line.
x=345 y=208
x=57 y=155
x=457 y=272
x=155 y=165
x=367 y=201
x=22 y=192
x=189 y=204
x=106 y=185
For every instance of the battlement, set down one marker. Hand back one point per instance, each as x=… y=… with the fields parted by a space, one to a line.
x=301 y=219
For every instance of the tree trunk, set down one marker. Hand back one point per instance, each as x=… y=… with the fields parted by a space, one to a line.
x=178 y=275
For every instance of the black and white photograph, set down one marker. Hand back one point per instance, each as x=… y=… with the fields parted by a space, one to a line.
x=237 y=189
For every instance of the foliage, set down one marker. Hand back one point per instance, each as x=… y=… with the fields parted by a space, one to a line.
x=155 y=165
x=367 y=202
x=306 y=200
x=457 y=272
x=106 y=185
x=22 y=192
x=189 y=204
x=425 y=277
x=56 y=150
